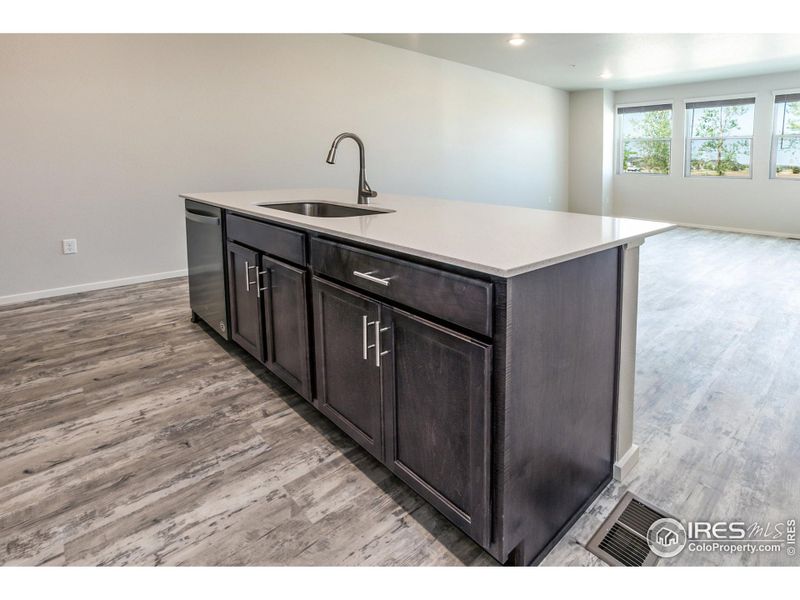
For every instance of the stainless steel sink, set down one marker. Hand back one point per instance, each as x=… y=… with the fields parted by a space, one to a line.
x=325 y=209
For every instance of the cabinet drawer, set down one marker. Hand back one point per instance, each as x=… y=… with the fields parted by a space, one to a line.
x=270 y=239
x=460 y=300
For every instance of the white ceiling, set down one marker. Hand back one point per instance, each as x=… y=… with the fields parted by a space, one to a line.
x=575 y=61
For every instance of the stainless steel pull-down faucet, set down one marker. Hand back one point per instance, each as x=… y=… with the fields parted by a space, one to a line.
x=364 y=191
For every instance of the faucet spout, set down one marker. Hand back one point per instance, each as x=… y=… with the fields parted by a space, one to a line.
x=364 y=191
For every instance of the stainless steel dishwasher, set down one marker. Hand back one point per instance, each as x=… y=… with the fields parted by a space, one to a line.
x=205 y=249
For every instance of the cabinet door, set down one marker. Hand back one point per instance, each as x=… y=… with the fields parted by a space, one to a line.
x=286 y=323
x=348 y=379
x=245 y=298
x=436 y=393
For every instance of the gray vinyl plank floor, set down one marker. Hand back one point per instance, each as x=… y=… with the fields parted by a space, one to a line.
x=717 y=414
x=130 y=436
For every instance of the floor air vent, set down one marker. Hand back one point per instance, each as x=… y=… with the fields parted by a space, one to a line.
x=622 y=538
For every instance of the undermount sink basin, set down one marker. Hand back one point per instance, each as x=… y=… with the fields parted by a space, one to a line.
x=325 y=209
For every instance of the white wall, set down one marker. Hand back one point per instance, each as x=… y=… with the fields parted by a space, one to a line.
x=757 y=204
x=591 y=148
x=101 y=133
x=609 y=120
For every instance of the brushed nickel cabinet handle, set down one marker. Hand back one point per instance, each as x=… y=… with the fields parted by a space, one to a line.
x=365 y=345
x=247 y=276
x=260 y=289
x=364 y=336
x=378 y=352
x=369 y=276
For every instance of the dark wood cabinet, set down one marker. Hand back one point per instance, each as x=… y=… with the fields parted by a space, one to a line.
x=286 y=323
x=505 y=425
x=269 y=314
x=348 y=378
x=464 y=301
x=245 y=299
x=285 y=244
x=436 y=386
x=383 y=373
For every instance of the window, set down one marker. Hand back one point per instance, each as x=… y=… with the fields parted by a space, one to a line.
x=786 y=138
x=720 y=137
x=645 y=138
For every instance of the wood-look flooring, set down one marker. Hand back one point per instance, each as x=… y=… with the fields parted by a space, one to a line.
x=130 y=436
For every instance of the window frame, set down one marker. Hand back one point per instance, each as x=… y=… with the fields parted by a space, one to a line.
x=773 y=161
x=620 y=141
x=688 y=139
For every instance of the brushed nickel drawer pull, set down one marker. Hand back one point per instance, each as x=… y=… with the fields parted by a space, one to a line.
x=369 y=277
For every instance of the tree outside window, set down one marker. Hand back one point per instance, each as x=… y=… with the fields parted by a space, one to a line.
x=786 y=149
x=721 y=137
x=645 y=139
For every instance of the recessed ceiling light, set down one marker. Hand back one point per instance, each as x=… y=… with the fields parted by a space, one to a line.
x=605 y=75
x=516 y=41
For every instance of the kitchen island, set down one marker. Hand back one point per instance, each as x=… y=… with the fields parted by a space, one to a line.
x=483 y=353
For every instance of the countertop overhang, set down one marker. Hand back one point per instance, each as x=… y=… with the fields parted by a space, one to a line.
x=489 y=238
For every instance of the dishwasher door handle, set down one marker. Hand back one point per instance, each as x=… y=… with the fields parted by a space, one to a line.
x=204 y=219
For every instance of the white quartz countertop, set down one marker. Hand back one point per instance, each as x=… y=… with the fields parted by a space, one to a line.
x=494 y=239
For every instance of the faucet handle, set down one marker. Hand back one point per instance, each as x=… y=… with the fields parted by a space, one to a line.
x=366 y=191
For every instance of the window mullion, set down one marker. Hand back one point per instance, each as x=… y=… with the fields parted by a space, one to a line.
x=783 y=124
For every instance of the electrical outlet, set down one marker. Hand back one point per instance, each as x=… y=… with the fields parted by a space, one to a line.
x=69 y=246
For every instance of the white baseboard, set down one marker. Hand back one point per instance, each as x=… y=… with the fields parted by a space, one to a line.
x=87 y=287
x=624 y=465
x=780 y=234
